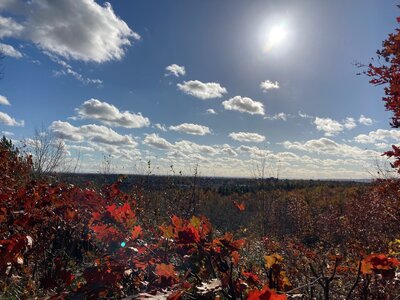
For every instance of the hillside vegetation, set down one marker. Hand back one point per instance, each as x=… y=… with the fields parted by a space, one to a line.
x=68 y=242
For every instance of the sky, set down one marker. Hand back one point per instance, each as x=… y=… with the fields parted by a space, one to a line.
x=230 y=87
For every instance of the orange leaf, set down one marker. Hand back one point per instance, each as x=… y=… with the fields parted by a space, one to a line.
x=265 y=294
x=167 y=271
x=176 y=221
x=235 y=257
x=136 y=232
x=239 y=206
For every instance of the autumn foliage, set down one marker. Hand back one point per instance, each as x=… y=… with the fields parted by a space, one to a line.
x=61 y=241
x=387 y=73
x=64 y=241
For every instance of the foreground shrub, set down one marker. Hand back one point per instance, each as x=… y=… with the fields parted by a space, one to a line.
x=68 y=242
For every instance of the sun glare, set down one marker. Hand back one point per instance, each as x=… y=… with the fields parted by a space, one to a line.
x=275 y=36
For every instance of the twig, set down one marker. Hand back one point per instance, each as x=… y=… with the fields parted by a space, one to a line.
x=356 y=282
x=304 y=286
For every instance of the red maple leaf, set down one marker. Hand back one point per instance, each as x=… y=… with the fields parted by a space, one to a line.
x=265 y=294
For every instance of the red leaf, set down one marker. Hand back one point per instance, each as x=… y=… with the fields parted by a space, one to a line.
x=239 y=206
x=136 y=232
x=166 y=273
x=235 y=257
x=121 y=214
x=265 y=294
x=165 y=270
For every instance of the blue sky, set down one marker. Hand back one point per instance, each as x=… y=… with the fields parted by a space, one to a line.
x=199 y=82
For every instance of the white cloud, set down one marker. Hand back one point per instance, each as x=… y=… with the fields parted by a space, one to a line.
x=380 y=135
x=244 y=105
x=161 y=127
x=350 y=123
x=382 y=146
x=175 y=70
x=126 y=152
x=244 y=148
x=332 y=127
x=157 y=142
x=329 y=126
x=9 y=121
x=305 y=116
x=7 y=133
x=110 y=115
x=190 y=128
x=80 y=148
x=97 y=134
x=269 y=85
x=202 y=90
x=9 y=50
x=279 y=116
x=210 y=111
x=247 y=137
x=77 y=29
x=68 y=70
x=329 y=147
x=254 y=151
x=227 y=149
x=188 y=147
x=8 y=27
x=365 y=121
x=4 y=100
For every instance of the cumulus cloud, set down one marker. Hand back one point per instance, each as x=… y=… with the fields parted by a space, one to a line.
x=175 y=70
x=188 y=147
x=247 y=137
x=92 y=133
x=4 y=100
x=210 y=111
x=254 y=151
x=350 y=123
x=190 y=128
x=244 y=105
x=202 y=90
x=76 y=29
x=269 y=85
x=110 y=115
x=380 y=135
x=328 y=126
x=161 y=127
x=329 y=147
x=332 y=127
x=382 y=146
x=155 y=141
x=279 y=116
x=227 y=150
x=365 y=121
x=9 y=121
x=9 y=27
x=9 y=50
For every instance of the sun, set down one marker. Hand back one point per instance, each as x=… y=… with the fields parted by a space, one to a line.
x=277 y=34
x=274 y=36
